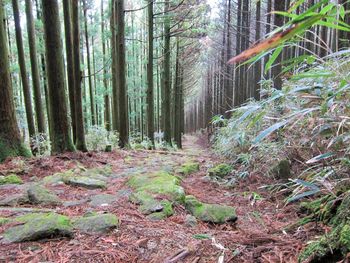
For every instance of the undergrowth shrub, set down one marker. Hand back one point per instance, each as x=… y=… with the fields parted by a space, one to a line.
x=98 y=138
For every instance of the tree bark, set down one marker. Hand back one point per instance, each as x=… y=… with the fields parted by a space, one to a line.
x=166 y=76
x=79 y=117
x=22 y=65
x=10 y=138
x=257 y=66
x=34 y=66
x=61 y=138
x=121 y=77
x=150 y=100
x=67 y=7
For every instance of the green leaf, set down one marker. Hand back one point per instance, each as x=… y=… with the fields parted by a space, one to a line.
x=320 y=157
x=273 y=58
x=268 y=131
x=202 y=236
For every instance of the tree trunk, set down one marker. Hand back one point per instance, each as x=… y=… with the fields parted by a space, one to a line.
x=178 y=99
x=61 y=139
x=91 y=88
x=67 y=7
x=105 y=84
x=150 y=100
x=121 y=77
x=10 y=138
x=277 y=68
x=35 y=70
x=22 y=65
x=257 y=66
x=79 y=118
x=166 y=76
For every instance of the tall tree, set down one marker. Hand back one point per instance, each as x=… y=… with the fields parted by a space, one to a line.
x=277 y=68
x=79 y=118
x=34 y=66
x=257 y=66
x=67 y=6
x=91 y=88
x=105 y=81
x=10 y=138
x=150 y=99
x=166 y=75
x=121 y=76
x=60 y=135
x=23 y=69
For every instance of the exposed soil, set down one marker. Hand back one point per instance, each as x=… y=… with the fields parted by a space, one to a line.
x=257 y=236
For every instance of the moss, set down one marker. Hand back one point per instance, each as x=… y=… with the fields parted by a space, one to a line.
x=12 y=150
x=281 y=170
x=345 y=237
x=96 y=223
x=38 y=226
x=220 y=170
x=212 y=213
x=189 y=168
x=4 y=220
x=159 y=183
x=10 y=179
x=166 y=211
x=40 y=195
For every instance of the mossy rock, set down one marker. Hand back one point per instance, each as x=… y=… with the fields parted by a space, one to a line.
x=167 y=210
x=158 y=183
x=40 y=195
x=281 y=170
x=96 y=223
x=85 y=182
x=220 y=170
x=188 y=168
x=212 y=213
x=39 y=226
x=102 y=200
x=16 y=199
x=10 y=179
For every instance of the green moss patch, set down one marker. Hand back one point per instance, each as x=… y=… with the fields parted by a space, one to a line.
x=188 y=168
x=4 y=220
x=336 y=243
x=220 y=170
x=10 y=179
x=39 y=226
x=40 y=195
x=96 y=223
x=282 y=170
x=212 y=213
x=12 y=150
x=159 y=183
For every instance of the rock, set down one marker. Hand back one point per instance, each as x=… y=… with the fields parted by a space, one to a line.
x=74 y=203
x=220 y=170
x=124 y=193
x=281 y=170
x=16 y=199
x=158 y=183
x=96 y=223
x=212 y=213
x=39 y=226
x=86 y=182
x=189 y=168
x=166 y=211
x=102 y=200
x=40 y=195
x=10 y=179
x=190 y=221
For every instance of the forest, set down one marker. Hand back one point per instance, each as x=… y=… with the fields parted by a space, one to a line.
x=175 y=131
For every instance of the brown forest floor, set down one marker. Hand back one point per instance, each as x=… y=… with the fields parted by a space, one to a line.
x=257 y=236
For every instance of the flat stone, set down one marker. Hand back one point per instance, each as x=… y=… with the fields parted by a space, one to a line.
x=74 y=203
x=39 y=226
x=96 y=223
x=190 y=221
x=40 y=195
x=86 y=182
x=16 y=199
x=102 y=200
x=212 y=213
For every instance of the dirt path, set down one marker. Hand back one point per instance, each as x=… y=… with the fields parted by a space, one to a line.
x=257 y=236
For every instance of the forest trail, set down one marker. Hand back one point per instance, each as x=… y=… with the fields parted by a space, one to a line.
x=256 y=236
